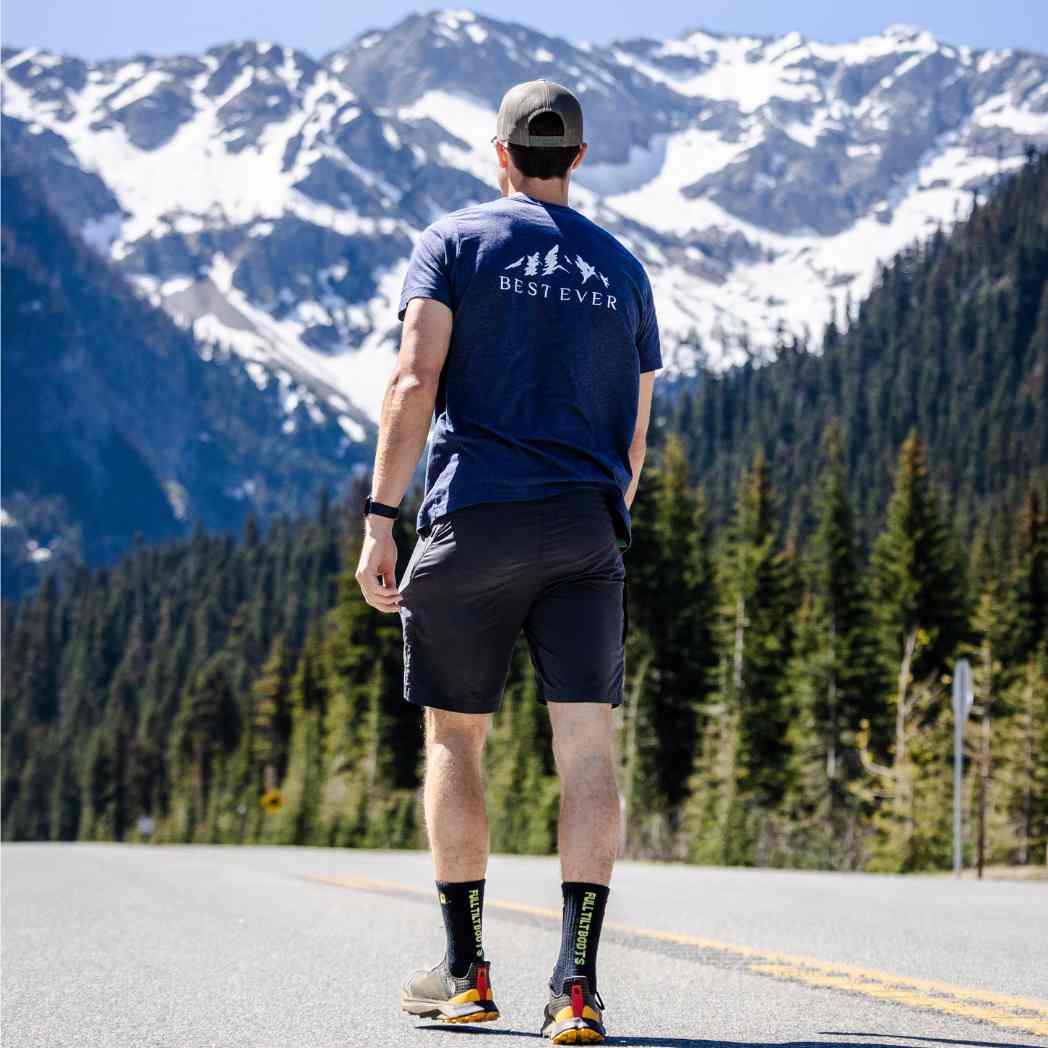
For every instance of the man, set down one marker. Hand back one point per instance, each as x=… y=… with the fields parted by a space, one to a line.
x=531 y=333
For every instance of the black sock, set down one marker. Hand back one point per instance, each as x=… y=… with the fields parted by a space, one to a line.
x=580 y=932
x=462 y=903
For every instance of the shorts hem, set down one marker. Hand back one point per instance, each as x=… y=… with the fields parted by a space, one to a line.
x=440 y=703
x=604 y=700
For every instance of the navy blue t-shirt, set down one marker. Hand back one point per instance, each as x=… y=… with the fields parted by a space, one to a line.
x=553 y=322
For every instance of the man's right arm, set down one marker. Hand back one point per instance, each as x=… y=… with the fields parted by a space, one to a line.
x=639 y=443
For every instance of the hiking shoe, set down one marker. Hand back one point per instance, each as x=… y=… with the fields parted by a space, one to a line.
x=437 y=994
x=575 y=1015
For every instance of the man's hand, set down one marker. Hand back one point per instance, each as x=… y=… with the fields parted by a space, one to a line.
x=378 y=557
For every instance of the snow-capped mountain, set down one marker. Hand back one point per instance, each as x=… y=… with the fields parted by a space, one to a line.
x=270 y=199
x=117 y=423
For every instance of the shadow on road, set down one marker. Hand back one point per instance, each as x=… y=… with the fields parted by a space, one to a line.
x=626 y=1041
x=931 y=1040
x=480 y=1031
x=904 y=1042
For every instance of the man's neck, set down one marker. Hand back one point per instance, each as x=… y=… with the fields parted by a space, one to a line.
x=548 y=190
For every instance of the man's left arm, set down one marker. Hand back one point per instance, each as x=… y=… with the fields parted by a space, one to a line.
x=639 y=443
x=407 y=411
x=649 y=354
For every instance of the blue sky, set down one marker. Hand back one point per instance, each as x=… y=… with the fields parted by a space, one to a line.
x=110 y=28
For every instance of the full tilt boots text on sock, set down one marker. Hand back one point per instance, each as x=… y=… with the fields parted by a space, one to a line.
x=583 y=916
x=462 y=904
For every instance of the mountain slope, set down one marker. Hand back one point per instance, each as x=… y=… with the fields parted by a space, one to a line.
x=116 y=422
x=270 y=198
x=953 y=342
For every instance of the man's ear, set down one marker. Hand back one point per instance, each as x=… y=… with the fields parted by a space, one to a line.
x=578 y=158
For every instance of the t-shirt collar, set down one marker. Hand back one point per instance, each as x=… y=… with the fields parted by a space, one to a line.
x=521 y=195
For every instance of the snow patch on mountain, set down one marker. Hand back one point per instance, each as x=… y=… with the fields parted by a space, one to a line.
x=729 y=71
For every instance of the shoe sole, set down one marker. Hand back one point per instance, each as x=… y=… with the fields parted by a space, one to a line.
x=575 y=1031
x=446 y=1012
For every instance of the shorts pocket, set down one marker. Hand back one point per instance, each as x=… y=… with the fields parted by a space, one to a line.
x=421 y=545
x=439 y=529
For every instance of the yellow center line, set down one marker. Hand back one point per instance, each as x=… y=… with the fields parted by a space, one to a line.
x=1000 y=1009
x=901 y=993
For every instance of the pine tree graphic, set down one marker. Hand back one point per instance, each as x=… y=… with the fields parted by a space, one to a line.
x=585 y=268
x=551 y=264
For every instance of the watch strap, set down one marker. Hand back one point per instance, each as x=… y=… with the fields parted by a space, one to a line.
x=380 y=509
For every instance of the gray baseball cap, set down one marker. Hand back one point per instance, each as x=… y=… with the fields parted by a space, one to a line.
x=521 y=103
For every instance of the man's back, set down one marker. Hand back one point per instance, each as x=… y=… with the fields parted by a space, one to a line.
x=553 y=322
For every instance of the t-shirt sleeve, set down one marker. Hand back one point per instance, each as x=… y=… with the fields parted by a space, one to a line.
x=429 y=269
x=649 y=346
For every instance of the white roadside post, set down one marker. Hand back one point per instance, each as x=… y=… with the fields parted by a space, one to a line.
x=963 y=697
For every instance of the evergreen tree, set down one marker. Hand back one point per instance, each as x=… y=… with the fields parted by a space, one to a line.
x=831 y=679
x=271 y=723
x=298 y=822
x=756 y=588
x=717 y=821
x=918 y=585
x=1026 y=613
x=919 y=591
x=206 y=731
x=1024 y=762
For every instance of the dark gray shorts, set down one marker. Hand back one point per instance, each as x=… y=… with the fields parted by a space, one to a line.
x=550 y=567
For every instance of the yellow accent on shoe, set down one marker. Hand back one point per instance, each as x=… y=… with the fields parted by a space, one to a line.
x=466 y=997
x=569 y=1013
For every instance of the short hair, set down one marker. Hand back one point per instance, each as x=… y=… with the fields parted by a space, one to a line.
x=543 y=161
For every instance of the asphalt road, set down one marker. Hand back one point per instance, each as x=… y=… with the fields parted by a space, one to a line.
x=177 y=947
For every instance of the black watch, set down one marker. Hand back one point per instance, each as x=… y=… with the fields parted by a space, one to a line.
x=380 y=509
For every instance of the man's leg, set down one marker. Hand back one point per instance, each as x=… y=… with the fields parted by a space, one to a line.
x=457 y=825
x=458 y=988
x=588 y=831
x=584 y=749
x=465 y=599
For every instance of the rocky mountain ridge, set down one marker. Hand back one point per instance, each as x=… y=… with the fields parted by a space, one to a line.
x=268 y=199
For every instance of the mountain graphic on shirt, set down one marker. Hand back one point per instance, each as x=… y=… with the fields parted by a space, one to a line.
x=551 y=262
x=585 y=268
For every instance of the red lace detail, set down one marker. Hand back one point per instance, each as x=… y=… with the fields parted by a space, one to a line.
x=482 y=983
x=578 y=1002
